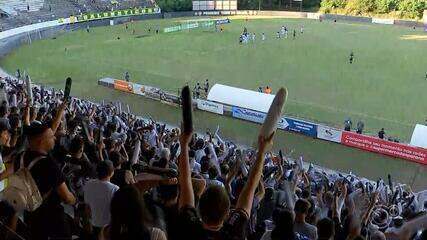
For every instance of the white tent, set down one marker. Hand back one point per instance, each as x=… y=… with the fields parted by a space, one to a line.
x=240 y=97
x=419 y=136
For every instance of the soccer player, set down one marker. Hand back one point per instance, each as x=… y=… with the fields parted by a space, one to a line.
x=302 y=29
x=351 y=57
x=253 y=37
x=286 y=32
x=278 y=35
x=263 y=39
x=87 y=29
x=294 y=34
x=426 y=75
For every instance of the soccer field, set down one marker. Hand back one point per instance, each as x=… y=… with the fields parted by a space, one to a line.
x=384 y=87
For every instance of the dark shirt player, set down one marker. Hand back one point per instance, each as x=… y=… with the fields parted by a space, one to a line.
x=351 y=58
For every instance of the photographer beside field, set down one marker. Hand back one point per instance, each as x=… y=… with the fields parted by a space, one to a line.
x=168 y=182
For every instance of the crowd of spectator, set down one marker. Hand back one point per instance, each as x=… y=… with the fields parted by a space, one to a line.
x=103 y=173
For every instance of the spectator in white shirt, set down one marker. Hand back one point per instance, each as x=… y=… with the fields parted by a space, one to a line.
x=98 y=194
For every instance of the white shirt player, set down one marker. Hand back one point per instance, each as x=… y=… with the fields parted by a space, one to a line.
x=263 y=36
x=302 y=29
x=253 y=37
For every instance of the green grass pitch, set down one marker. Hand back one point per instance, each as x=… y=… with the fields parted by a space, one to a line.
x=385 y=87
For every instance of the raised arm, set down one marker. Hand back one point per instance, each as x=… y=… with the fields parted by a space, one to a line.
x=186 y=194
x=58 y=117
x=246 y=196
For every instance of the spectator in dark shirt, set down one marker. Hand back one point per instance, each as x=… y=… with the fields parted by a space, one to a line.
x=121 y=177
x=347 y=124
x=283 y=227
x=129 y=218
x=49 y=220
x=325 y=229
x=360 y=126
x=381 y=133
x=11 y=227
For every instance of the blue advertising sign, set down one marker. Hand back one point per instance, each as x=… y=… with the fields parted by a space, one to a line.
x=303 y=127
x=222 y=21
x=254 y=116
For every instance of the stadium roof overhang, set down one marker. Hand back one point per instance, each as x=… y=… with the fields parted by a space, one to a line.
x=240 y=97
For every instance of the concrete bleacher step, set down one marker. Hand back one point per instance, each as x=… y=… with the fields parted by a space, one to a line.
x=21 y=5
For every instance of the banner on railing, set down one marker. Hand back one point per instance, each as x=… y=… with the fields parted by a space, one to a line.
x=181 y=27
x=123 y=86
x=329 y=134
x=172 y=29
x=152 y=92
x=303 y=127
x=222 y=21
x=385 y=147
x=383 y=21
x=254 y=116
x=210 y=106
x=139 y=89
x=117 y=13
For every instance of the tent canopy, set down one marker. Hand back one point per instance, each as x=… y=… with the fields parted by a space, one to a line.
x=240 y=97
x=419 y=136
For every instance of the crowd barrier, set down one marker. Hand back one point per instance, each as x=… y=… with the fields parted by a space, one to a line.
x=314 y=130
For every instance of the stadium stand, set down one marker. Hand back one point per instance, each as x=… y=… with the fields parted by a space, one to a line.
x=104 y=173
x=13 y=7
x=16 y=14
x=103 y=159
